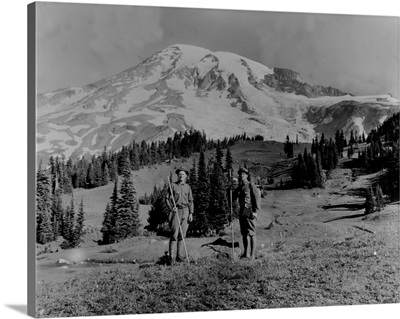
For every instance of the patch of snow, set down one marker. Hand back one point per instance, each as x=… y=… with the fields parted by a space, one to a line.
x=94 y=139
x=359 y=122
x=327 y=120
x=383 y=119
x=175 y=83
x=101 y=119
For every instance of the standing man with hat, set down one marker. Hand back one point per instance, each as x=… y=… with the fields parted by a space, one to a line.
x=180 y=203
x=250 y=203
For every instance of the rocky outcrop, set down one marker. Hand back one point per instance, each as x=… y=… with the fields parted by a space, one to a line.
x=289 y=81
x=287 y=75
x=252 y=80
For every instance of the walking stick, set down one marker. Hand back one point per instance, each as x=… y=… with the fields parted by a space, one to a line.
x=179 y=222
x=230 y=198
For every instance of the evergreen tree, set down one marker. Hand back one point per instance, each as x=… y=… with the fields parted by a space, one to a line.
x=113 y=170
x=105 y=175
x=44 y=232
x=218 y=208
x=159 y=212
x=98 y=175
x=90 y=176
x=67 y=182
x=352 y=139
x=82 y=173
x=228 y=161
x=288 y=147
x=57 y=215
x=200 y=225
x=313 y=147
x=68 y=229
x=319 y=179
x=108 y=228
x=193 y=178
x=78 y=229
x=127 y=223
x=370 y=203
x=134 y=157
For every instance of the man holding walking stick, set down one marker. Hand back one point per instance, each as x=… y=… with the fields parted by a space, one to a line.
x=250 y=203
x=180 y=202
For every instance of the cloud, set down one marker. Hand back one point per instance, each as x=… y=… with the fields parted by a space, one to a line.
x=82 y=41
x=353 y=53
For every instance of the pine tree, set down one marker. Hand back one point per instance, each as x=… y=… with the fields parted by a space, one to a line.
x=134 y=157
x=127 y=223
x=105 y=175
x=57 y=215
x=107 y=227
x=90 y=176
x=218 y=208
x=67 y=182
x=200 y=225
x=318 y=180
x=113 y=168
x=82 y=173
x=288 y=147
x=44 y=232
x=228 y=160
x=78 y=229
x=193 y=178
x=352 y=139
x=69 y=217
x=370 y=203
x=159 y=212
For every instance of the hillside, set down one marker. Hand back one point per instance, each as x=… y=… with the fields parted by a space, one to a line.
x=315 y=248
x=262 y=156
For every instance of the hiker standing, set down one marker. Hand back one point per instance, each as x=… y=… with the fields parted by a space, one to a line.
x=249 y=206
x=182 y=205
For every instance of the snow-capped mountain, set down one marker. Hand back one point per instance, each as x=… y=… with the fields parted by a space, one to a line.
x=184 y=87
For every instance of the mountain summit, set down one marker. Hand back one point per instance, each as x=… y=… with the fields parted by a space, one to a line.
x=185 y=87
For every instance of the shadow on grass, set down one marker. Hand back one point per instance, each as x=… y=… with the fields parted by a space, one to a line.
x=345 y=217
x=221 y=242
x=345 y=207
x=356 y=192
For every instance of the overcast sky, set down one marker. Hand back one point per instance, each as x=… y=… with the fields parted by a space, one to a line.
x=78 y=44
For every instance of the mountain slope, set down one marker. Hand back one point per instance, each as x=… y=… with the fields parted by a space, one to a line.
x=185 y=87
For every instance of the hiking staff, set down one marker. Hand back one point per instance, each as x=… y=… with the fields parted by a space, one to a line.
x=179 y=223
x=231 y=201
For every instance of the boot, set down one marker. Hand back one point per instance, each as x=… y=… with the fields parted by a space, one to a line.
x=245 y=247
x=179 y=256
x=253 y=243
x=171 y=252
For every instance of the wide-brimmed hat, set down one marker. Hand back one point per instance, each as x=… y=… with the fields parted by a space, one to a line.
x=244 y=170
x=181 y=169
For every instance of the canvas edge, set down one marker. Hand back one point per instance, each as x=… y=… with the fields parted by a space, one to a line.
x=31 y=158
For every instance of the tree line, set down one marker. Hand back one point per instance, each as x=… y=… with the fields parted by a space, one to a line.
x=382 y=153
x=105 y=167
x=308 y=170
x=52 y=218
x=121 y=218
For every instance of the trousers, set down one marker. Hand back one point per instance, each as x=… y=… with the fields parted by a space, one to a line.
x=183 y=214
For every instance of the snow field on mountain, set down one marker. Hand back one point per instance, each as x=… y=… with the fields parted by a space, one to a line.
x=167 y=91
